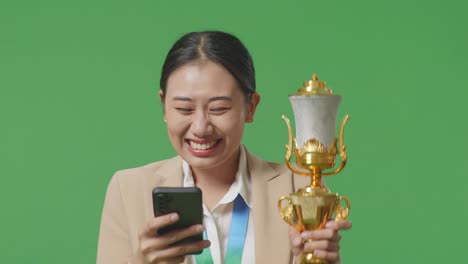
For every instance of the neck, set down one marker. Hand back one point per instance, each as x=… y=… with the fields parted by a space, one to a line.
x=215 y=182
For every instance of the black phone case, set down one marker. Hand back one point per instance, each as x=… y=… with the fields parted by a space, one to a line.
x=186 y=201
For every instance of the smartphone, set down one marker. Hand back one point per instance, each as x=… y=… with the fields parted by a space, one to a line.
x=185 y=201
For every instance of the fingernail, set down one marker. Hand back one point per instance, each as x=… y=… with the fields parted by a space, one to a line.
x=305 y=235
x=199 y=228
x=328 y=224
x=174 y=217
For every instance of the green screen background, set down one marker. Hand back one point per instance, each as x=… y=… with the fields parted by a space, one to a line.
x=78 y=101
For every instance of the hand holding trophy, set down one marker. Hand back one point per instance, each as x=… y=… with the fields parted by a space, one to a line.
x=315 y=148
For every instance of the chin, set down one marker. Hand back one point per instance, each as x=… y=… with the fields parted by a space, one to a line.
x=205 y=162
x=203 y=159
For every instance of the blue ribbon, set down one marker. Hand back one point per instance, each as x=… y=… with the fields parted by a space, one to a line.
x=237 y=235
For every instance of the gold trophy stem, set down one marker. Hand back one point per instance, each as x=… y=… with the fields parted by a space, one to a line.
x=316 y=178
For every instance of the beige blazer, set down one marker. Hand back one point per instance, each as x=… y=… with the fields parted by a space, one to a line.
x=128 y=206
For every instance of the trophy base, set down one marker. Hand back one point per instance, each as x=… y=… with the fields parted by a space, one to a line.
x=310 y=258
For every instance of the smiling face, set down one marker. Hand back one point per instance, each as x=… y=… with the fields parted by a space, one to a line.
x=206 y=111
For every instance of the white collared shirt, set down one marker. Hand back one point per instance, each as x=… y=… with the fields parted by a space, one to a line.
x=218 y=222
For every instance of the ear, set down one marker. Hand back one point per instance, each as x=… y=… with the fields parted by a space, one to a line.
x=161 y=96
x=254 y=101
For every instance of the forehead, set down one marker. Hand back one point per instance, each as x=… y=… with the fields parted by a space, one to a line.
x=200 y=79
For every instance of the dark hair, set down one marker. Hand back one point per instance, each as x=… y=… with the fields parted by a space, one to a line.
x=217 y=46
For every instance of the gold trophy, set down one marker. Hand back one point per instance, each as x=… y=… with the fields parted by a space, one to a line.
x=315 y=147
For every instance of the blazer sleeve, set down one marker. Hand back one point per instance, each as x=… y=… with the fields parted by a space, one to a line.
x=114 y=242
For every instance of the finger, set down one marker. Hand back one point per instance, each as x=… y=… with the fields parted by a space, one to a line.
x=172 y=237
x=293 y=231
x=336 y=238
x=148 y=244
x=339 y=225
x=177 y=235
x=175 y=260
x=188 y=248
x=322 y=234
x=326 y=245
x=176 y=251
x=178 y=260
x=296 y=241
x=331 y=256
x=152 y=226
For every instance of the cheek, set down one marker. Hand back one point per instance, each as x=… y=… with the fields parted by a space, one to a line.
x=232 y=125
x=176 y=127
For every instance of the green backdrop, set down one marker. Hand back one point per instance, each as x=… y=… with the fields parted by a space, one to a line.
x=78 y=101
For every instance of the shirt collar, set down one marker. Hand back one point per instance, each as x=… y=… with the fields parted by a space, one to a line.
x=241 y=185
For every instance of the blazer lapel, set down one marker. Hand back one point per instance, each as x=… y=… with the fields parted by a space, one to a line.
x=169 y=174
x=271 y=233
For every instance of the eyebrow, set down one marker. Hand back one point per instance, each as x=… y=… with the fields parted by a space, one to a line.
x=222 y=98
x=180 y=98
x=215 y=98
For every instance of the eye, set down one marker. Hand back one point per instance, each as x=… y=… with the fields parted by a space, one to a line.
x=219 y=110
x=184 y=111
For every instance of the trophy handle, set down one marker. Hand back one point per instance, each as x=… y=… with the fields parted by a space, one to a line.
x=289 y=148
x=341 y=213
x=286 y=212
x=342 y=147
x=290 y=139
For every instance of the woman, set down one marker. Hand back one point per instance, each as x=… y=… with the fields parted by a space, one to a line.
x=208 y=94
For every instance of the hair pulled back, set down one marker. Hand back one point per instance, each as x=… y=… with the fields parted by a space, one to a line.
x=219 y=47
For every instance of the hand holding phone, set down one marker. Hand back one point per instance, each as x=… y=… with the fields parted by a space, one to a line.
x=176 y=230
x=155 y=248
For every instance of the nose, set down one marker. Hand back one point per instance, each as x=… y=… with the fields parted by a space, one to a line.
x=201 y=125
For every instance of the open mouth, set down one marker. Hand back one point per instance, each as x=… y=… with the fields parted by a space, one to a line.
x=197 y=146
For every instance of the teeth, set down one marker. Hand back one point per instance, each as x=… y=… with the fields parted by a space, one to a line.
x=202 y=146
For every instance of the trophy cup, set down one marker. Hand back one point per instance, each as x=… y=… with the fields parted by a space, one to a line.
x=315 y=148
